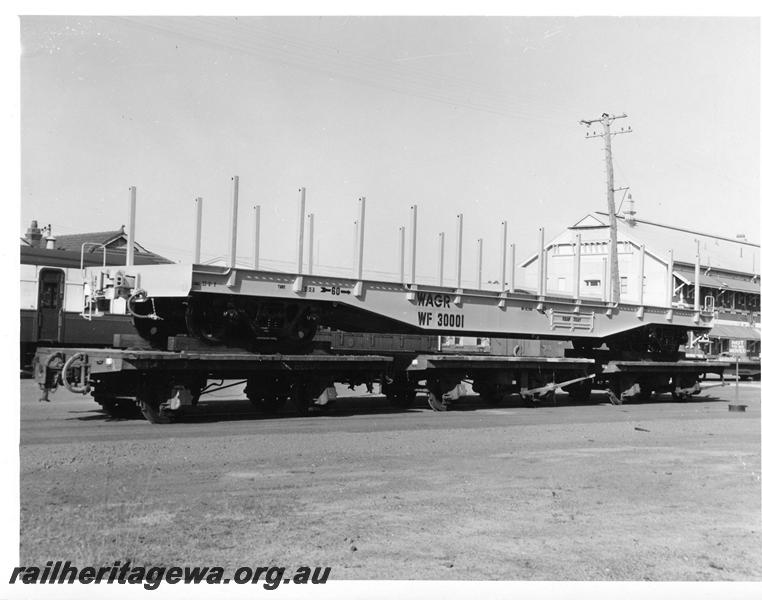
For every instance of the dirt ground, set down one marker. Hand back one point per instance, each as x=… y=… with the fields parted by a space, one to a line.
x=653 y=491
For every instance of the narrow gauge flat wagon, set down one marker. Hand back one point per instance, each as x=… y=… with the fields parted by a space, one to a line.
x=164 y=383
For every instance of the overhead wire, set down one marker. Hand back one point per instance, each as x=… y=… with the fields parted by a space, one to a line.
x=354 y=67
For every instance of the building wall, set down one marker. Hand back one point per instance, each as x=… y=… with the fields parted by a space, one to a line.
x=594 y=269
x=735 y=308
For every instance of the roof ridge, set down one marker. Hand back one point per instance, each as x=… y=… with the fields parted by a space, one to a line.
x=684 y=230
x=113 y=231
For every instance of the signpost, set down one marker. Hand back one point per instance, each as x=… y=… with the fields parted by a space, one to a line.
x=737 y=348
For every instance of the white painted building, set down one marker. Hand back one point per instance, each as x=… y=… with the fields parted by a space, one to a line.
x=648 y=253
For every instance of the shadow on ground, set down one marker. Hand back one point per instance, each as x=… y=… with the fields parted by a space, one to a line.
x=242 y=410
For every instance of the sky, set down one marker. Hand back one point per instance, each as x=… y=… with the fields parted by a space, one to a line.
x=472 y=115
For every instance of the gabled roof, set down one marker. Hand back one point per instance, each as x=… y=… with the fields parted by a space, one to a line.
x=115 y=241
x=74 y=241
x=590 y=221
x=30 y=255
x=717 y=252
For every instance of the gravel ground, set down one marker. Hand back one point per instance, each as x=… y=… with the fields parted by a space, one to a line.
x=654 y=491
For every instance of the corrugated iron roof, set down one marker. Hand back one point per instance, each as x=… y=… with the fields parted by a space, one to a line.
x=74 y=241
x=715 y=251
x=716 y=280
x=734 y=332
x=115 y=241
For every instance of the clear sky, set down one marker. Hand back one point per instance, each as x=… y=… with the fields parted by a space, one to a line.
x=457 y=114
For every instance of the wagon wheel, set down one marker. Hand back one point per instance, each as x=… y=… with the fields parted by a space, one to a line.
x=203 y=323
x=153 y=412
x=528 y=399
x=400 y=396
x=302 y=327
x=614 y=392
x=580 y=392
x=118 y=408
x=271 y=404
x=301 y=399
x=488 y=392
x=492 y=397
x=548 y=397
x=270 y=399
x=680 y=390
x=151 y=398
x=435 y=397
x=646 y=392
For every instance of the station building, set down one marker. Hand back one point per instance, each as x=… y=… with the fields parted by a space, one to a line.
x=657 y=267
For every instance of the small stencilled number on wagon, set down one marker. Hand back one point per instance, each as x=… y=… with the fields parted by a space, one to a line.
x=334 y=291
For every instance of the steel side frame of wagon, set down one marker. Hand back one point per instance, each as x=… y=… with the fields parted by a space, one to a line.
x=533 y=378
x=73 y=368
x=638 y=379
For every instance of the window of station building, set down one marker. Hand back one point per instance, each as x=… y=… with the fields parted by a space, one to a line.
x=753 y=303
x=741 y=301
x=592 y=282
x=623 y=285
x=725 y=299
x=562 y=284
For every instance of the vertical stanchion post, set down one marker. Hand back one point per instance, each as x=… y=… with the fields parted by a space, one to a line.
x=233 y=222
x=459 y=252
x=503 y=252
x=413 y=238
x=311 y=247
x=696 y=276
x=402 y=253
x=541 y=263
x=354 y=246
x=360 y=236
x=131 y=227
x=479 y=244
x=257 y=210
x=512 y=282
x=641 y=274
x=577 y=265
x=441 y=258
x=300 y=235
x=670 y=277
x=197 y=244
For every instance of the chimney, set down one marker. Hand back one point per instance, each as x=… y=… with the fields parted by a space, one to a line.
x=50 y=239
x=34 y=235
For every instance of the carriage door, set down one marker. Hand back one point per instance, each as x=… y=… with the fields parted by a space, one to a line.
x=50 y=305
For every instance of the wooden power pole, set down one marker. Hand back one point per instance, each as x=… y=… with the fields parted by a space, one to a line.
x=606 y=134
